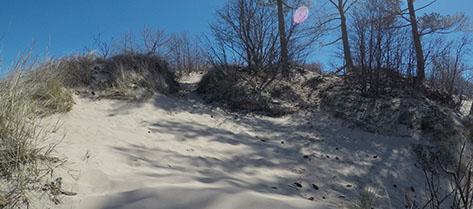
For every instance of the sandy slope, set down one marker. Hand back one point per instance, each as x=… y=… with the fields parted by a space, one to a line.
x=176 y=153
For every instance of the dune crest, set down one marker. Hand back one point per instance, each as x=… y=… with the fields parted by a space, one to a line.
x=175 y=152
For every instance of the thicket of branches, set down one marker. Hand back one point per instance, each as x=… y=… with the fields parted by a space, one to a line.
x=391 y=47
x=248 y=33
x=181 y=51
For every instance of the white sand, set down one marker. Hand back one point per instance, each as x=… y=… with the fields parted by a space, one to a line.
x=170 y=153
x=465 y=108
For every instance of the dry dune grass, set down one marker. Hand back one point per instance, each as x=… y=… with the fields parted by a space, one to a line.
x=47 y=89
x=127 y=75
x=25 y=163
x=33 y=92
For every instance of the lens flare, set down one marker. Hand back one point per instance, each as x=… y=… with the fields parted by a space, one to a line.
x=301 y=14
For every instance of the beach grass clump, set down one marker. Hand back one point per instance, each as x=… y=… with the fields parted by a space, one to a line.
x=130 y=74
x=125 y=75
x=47 y=88
x=25 y=162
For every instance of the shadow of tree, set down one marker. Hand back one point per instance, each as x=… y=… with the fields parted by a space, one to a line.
x=271 y=155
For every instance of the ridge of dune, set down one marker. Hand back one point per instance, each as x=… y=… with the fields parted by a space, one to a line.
x=175 y=152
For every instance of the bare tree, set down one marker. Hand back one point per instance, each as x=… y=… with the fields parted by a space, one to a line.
x=343 y=6
x=379 y=47
x=126 y=43
x=103 y=47
x=283 y=38
x=294 y=39
x=184 y=54
x=416 y=37
x=433 y=23
x=153 y=40
x=248 y=32
x=449 y=63
x=384 y=41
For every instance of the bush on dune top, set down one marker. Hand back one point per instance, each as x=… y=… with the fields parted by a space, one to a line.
x=128 y=75
x=136 y=70
x=255 y=92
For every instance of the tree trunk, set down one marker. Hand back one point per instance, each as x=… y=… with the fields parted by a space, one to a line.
x=283 y=39
x=345 y=38
x=417 y=43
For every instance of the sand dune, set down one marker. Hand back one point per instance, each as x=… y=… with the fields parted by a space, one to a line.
x=178 y=153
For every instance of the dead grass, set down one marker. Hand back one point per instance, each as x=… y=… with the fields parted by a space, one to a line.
x=48 y=91
x=128 y=75
x=131 y=71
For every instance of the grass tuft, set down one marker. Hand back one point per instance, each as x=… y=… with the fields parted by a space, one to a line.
x=25 y=163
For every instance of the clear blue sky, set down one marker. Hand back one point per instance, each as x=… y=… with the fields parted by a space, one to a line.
x=61 y=27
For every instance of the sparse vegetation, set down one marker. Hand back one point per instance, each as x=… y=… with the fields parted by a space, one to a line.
x=366 y=200
x=128 y=76
x=397 y=75
x=241 y=90
x=449 y=182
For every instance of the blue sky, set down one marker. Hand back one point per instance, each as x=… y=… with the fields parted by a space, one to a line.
x=61 y=27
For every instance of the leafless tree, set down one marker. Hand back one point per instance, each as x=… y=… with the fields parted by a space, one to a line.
x=248 y=32
x=153 y=40
x=416 y=37
x=282 y=37
x=433 y=23
x=384 y=45
x=185 y=54
x=103 y=47
x=379 y=47
x=449 y=63
x=126 y=43
x=342 y=7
